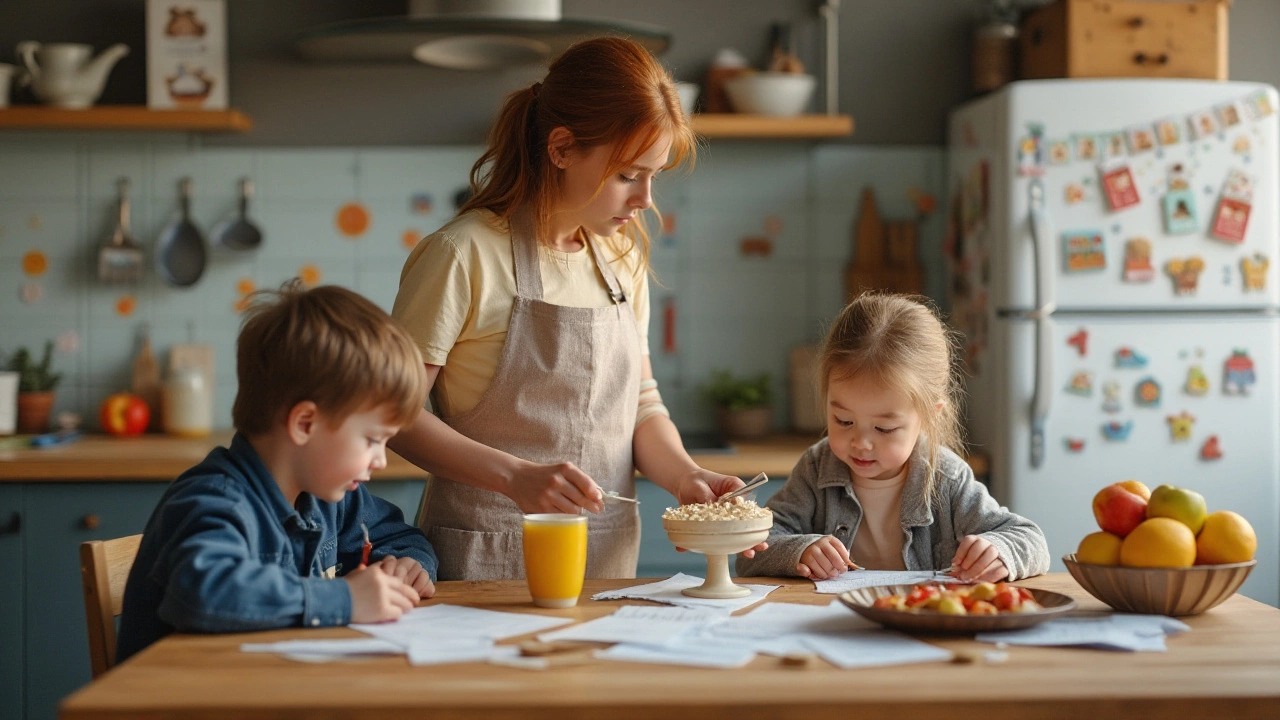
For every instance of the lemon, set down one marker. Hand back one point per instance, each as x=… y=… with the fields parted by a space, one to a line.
x=1099 y=548
x=1225 y=538
x=1159 y=542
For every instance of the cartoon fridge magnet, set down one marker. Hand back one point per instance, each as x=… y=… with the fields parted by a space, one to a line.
x=1080 y=341
x=1086 y=147
x=1111 y=396
x=1197 y=381
x=1117 y=431
x=1114 y=144
x=1180 y=426
x=1238 y=375
x=1254 y=272
x=1127 y=357
x=1142 y=138
x=1203 y=124
x=1229 y=114
x=1241 y=145
x=1083 y=250
x=1073 y=193
x=1031 y=151
x=1232 y=217
x=1185 y=274
x=1147 y=392
x=1137 y=261
x=1059 y=152
x=1081 y=384
x=1168 y=132
x=1118 y=185
x=1258 y=105
x=1180 y=203
x=1074 y=445
x=1210 y=450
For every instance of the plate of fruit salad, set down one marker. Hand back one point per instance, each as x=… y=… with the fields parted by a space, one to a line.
x=957 y=608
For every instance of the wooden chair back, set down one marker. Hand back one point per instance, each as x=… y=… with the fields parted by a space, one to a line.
x=104 y=568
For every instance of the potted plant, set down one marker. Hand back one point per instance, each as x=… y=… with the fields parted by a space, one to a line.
x=36 y=383
x=743 y=405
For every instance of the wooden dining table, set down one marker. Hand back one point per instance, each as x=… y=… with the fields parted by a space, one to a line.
x=1226 y=667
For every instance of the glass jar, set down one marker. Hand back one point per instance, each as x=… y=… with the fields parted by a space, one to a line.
x=187 y=402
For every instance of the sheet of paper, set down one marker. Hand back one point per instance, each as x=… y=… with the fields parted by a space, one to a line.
x=777 y=619
x=668 y=592
x=333 y=647
x=458 y=651
x=436 y=622
x=682 y=652
x=873 y=648
x=1134 y=633
x=857 y=579
x=640 y=625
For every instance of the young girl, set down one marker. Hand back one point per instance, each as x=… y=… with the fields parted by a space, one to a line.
x=885 y=489
x=531 y=310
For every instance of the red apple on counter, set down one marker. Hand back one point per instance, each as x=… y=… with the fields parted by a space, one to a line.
x=1117 y=510
x=124 y=414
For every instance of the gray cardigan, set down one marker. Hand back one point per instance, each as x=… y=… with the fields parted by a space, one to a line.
x=818 y=500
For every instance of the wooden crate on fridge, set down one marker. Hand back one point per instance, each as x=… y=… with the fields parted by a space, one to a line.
x=1125 y=38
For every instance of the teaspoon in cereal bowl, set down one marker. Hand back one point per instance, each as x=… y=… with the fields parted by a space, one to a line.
x=756 y=482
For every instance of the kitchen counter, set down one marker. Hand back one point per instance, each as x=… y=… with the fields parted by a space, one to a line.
x=162 y=458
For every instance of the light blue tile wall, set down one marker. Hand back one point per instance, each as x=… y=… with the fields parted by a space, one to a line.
x=743 y=313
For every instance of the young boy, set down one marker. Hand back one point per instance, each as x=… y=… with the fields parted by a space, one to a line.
x=254 y=536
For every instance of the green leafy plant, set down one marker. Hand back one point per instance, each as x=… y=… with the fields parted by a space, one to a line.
x=738 y=393
x=32 y=376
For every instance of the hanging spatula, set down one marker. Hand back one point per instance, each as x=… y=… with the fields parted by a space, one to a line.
x=120 y=260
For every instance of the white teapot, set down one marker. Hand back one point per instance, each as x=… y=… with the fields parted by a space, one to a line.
x=67 y=75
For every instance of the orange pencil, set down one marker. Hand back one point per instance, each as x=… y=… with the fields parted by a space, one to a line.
x=367 y=548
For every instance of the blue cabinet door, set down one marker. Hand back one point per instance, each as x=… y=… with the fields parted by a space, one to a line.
x=11 y=635
x=405 y=494
x=57 y=518
x=658 y=557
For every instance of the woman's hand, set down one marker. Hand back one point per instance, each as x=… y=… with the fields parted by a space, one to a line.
x=977 y=560
x=558 y=488
x=704 y=486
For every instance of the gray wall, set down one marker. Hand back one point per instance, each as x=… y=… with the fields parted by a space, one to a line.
x=902 y=62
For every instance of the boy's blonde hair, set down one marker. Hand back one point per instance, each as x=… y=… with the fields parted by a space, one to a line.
x=328 y=345
x=899 y=342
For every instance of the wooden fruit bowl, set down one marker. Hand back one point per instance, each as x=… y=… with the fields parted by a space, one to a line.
x=1160 y=591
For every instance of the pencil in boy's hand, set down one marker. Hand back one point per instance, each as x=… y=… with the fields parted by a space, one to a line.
x=367 y=548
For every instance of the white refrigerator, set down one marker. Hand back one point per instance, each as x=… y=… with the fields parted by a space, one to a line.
x=1113 y=248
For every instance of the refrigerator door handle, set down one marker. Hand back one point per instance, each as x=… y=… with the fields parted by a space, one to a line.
x=1043 y=388
x=1045 y=303
x=1041 y=245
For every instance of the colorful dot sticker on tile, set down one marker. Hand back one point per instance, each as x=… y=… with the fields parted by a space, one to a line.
x=34 y=222
x=1074 y=445
x=409 y=238
x=1081 y=384
x=1197 y=381
x=352 y=220
x=31 y=292
x=310 y=274
x=1238 y=375
x=1254 y=272
x=1147 y=392
x=1127 y=357
x=1111 y=396
x=1083 y=250
x=69 y=341
x=245 y=285
x=1117 y=431
x=421 y=204
x=1181 y=425
x=772 y=225
x=668 y=223
x=1185 y=273
x=125 y=305
x=1211 y=450
x=34 y=263
x=1080 y=341
x=1137 y=261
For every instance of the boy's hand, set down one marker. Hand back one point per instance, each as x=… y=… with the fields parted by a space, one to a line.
x=410 y=572
x=825 y=559
x=377 y=596
x=977 y=560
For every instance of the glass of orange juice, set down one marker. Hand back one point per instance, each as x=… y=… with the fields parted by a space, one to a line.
x=555 y=558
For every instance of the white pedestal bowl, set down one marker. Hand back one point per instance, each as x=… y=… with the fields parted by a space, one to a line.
x=718 y=539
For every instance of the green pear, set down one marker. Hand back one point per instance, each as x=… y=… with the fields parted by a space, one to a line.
x=1185 y=506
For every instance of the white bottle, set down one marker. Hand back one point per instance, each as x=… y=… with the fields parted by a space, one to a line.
x=187 y=400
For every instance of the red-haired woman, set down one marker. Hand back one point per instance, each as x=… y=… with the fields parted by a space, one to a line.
x=531 y=309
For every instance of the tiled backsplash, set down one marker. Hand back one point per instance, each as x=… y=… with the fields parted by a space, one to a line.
x=735 y=311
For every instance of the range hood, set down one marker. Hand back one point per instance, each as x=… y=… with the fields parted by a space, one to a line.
x=468 y=34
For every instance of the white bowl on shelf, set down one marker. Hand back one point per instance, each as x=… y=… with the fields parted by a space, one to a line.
x=770 y=93
x=688 y=93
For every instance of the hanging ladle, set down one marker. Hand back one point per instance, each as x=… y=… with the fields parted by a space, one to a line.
x=238 y=233
x=181 y=253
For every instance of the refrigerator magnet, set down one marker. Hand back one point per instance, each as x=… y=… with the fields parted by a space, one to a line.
x=1185 y=274
x=1237 y=373
x=1127 y=357
x=1197 y=382
x=1180 y=426
x=1086 y=147
x=1241 y=145
x=1074 y=445
x=1111 y=396
x=1180 y=212
x=1137 y=261
x=1142 y=138
x=1031 y=151
x=1147 y=393
x=1168 y=132
x=1083 y=251
x=1059 y=152
x=1080 y=341
x=1119 y=187
x=1258 y=105
x=1081 y=384
x=1203 y=124
x=1229 y=114
x=1073 y=193
x=1254 y=272
x=1231 y=220
x=1116 y=431
x=1113 y=146
x=1210 y=450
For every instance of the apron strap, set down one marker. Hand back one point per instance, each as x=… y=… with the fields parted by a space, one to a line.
x=611 y=280
x=524 y=248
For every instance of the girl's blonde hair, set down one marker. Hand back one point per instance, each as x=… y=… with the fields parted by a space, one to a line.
x=604 y=91
x=898 y=342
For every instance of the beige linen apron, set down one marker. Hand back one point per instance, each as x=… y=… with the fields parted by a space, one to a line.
x=565 y=389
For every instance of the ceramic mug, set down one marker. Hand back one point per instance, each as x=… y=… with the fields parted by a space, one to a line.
x=8 y=402
x=555 y=558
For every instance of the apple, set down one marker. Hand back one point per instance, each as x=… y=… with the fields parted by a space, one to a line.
x=124 y=414
x=1117 y=510
x=1136 y=488
x=1185 y=506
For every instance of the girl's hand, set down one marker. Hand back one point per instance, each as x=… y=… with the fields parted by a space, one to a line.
x=977 y=560
x=824 y=559
x=410 y=572
x=704 y=486
x=558 y=488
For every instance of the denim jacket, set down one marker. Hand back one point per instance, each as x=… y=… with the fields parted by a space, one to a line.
x=818 y=500
x=225 y=552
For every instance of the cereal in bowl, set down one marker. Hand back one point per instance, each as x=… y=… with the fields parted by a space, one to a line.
x=735 y=509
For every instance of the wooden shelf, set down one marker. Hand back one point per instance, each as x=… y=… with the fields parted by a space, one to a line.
x=734 y=125
x=123 y=117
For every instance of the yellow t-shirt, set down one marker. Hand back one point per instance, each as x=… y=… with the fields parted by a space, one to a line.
x=458 y=286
